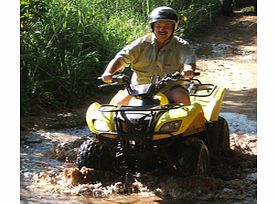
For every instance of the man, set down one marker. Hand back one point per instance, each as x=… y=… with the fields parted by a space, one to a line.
x=157 y=54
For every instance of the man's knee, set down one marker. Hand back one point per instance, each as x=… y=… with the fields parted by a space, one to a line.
x=125 y=99
x=179 y=95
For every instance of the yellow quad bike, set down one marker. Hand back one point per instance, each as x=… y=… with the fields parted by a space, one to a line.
x=152 y=134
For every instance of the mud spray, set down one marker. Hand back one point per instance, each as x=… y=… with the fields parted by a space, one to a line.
x=47 y=168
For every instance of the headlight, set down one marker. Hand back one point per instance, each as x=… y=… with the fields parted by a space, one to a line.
x=171 y=126
x=101 y=125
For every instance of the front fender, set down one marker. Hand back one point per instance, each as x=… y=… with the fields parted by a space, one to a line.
x=93 y=114
x=192 y=118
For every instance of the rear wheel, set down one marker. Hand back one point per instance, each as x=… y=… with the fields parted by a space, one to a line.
x=93 y=154
x=194 y=159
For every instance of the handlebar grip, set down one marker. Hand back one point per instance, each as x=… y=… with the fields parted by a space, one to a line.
x=103 y=85
x=108 y=84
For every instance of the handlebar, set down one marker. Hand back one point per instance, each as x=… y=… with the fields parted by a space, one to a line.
x=117 y=79
x=122 y=79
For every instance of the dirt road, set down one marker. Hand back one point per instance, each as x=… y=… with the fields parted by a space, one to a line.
x=226 y=56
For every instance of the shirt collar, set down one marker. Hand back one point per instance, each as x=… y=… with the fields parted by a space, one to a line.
x=167 y=46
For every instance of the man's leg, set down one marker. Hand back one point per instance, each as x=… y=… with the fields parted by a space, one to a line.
x=124 y=99
x=178 y=94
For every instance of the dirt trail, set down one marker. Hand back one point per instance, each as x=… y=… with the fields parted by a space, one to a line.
x=226 y=56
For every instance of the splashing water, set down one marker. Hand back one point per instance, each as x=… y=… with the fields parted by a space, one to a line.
x=47 y=169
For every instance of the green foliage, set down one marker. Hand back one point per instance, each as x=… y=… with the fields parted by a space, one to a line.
x=66 y=44
x=196 y=16
x=248 y=9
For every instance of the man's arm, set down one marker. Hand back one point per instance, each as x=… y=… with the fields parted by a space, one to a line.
x=114 y=66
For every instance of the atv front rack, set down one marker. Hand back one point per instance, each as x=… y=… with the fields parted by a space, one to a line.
x=110 y=108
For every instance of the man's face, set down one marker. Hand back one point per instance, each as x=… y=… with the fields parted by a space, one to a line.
x=163 y=30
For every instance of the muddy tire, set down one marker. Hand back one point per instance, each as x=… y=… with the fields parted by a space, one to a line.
x=194 y=160
x=93 y=154
x=218 y=137
x=224 y=135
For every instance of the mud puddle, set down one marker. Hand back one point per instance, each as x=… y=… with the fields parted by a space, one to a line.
x=48 y=173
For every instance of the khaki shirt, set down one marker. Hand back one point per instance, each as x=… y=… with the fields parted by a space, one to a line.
x=147 y=60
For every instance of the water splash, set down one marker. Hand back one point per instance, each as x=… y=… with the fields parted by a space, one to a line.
x=56 y=175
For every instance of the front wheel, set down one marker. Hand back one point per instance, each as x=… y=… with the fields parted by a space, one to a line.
x=224 y=135
x=218 y=137
x=194 y=160
x=93 y=154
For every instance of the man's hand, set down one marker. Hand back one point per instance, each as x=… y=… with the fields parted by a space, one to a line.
x=106 y=77
x=187 y=74
x=188 y=71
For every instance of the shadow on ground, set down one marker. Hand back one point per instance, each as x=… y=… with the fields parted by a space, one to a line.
x=237 y=30
x=241 y=101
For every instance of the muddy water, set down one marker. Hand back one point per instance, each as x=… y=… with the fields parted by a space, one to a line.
x=48 y=174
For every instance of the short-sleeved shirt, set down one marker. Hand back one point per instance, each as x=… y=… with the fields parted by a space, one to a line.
x=147 y=60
